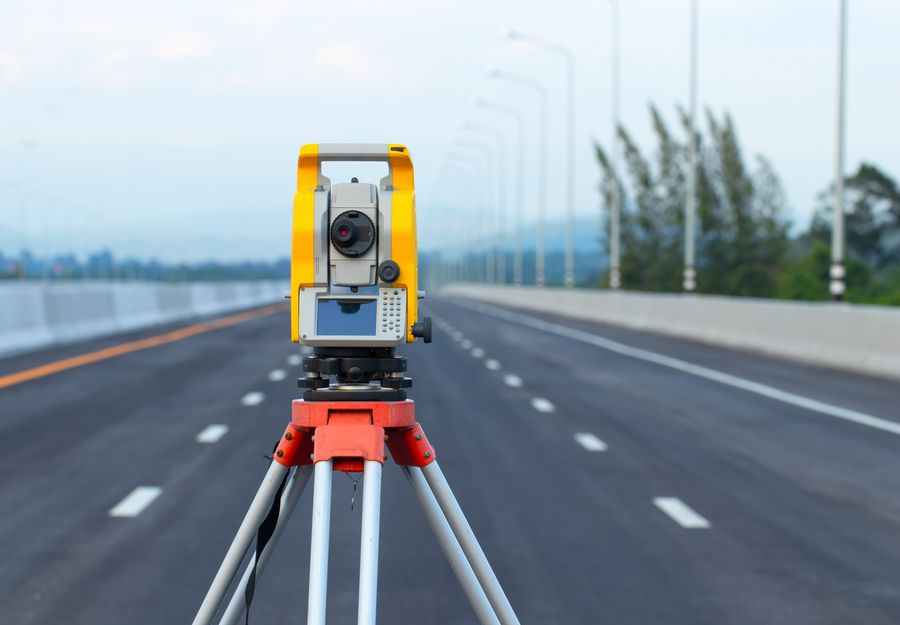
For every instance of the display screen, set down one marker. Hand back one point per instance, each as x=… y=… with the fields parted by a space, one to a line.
x=356 y=317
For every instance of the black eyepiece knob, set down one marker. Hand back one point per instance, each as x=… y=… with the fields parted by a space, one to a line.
x=388 y=271
x=422 y=329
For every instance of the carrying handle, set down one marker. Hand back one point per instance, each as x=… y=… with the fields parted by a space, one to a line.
x=395 y=155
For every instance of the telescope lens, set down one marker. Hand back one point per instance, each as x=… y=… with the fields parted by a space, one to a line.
x=352 y=233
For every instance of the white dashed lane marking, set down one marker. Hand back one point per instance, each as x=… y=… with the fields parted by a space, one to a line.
x=466 y=344
x=477 y=352
x=277 y=375
x=681 y=513
x=294 y=360
x=684 y=366
x=512 y=380
x=542 y=405
x=212 y=433
x=590 y=442
x=492 y=364
x=253 y=399
x=136 y=501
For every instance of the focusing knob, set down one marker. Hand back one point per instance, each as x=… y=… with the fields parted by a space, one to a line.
x=388 y=271
x=422 y=329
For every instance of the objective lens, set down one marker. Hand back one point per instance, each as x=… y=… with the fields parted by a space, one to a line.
x=352 y=233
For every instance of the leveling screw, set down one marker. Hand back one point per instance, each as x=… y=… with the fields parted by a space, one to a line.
x=428 y=454
x=288 y=436
x=418 y=437
x=279 y=453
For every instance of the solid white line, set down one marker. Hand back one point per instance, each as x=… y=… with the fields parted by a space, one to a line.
x=750 y=386
x=253 y=398
x=680 y=512
x=542 y=405
x=590 y=442
x=212 y=433
x=294 y=360
x=136 y=501
x=512 y=380
x=477 y=352
x=466 y=344
x=277 y=375
x=492 y=364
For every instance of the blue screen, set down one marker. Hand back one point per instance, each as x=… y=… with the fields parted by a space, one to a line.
x=346 y=317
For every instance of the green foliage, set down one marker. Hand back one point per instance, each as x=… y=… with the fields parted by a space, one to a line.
x=743 y=246
x=742 y=234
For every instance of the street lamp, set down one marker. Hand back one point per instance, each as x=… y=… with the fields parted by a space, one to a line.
x=615 y=276
x=485 y=176
x=499 y=251
x=541 y=91
x=690 y=207
x=520 y=186
x=838 y=286
x=470 y=173
x=570 y=172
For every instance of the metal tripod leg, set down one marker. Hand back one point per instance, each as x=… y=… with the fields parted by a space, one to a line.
x=259 y=507
x=318 y=553
x=289 y=498
x=469 y=544
x=451 y=547
x=368 y=549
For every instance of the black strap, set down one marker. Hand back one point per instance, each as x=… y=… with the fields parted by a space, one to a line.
x=263 y=534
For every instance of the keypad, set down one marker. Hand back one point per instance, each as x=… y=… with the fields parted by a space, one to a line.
x=392 y=306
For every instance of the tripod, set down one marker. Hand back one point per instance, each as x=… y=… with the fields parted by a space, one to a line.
x=345 y=428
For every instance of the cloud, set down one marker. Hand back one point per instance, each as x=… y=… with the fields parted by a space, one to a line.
x=262 y=15
x=185 y=45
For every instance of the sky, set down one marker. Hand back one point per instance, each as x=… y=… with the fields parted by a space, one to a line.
x=170 y=129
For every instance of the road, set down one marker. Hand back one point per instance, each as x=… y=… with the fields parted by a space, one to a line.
x=605 y=487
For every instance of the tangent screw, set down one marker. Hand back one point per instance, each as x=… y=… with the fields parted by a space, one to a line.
x=428 y=454
x=288 y=436
x=279 y=453
x=418 y=437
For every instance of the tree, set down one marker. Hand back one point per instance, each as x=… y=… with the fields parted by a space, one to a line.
x=742 y=234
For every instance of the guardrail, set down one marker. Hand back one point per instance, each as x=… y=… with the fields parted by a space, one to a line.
x=864 y=339
x=34 y=315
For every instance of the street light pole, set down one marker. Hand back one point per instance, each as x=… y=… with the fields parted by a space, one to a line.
x=467 y=165
x=464 y=196
x=690 y=207
x=615 y=276
x=490 y=170
x=520 y=177
x=570 y=132
x=499 y=251
x=838 y=286
x=541 y=91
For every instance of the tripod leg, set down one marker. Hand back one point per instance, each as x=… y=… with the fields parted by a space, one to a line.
x=368 y=550
x=469 y=544
x=318 y=553
x=259 y=507
x=448 y=542
x=292 y=492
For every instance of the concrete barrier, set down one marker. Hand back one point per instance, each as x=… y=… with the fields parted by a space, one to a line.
x=37 y=314
x=864 y=339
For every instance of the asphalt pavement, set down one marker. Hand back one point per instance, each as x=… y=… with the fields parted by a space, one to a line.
x=606 y=485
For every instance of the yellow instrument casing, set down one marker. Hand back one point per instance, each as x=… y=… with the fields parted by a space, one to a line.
x=396 y=224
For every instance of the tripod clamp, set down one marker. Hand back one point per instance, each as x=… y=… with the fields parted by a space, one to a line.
x=355 y=370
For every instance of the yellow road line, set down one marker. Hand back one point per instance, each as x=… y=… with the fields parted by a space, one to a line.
x=134 y=346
